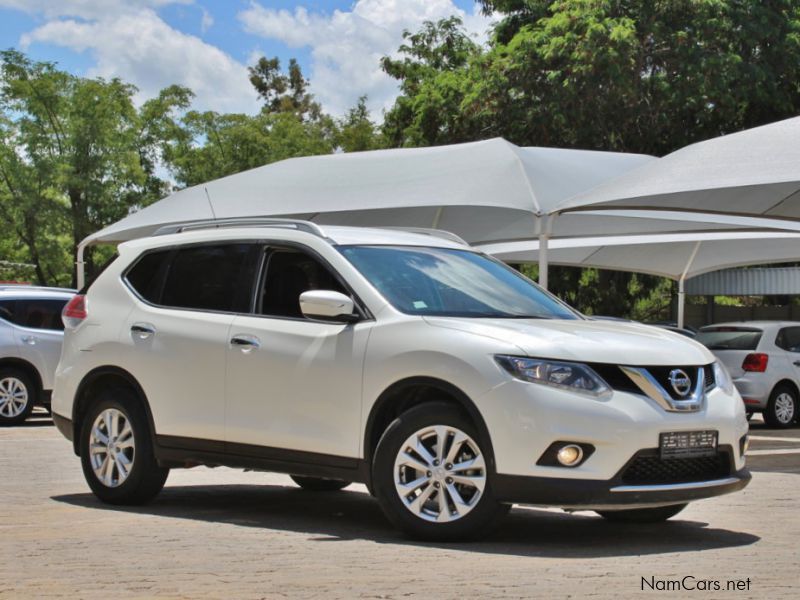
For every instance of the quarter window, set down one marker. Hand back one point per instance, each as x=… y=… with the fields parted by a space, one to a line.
x=789 y=339
x=147 y=275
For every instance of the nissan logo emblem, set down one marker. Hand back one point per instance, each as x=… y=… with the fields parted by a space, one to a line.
x=680 y=382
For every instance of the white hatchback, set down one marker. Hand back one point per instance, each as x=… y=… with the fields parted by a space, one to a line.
x=445 y=381
x=764 y=359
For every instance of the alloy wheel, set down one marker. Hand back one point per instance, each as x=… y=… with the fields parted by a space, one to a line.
x=13 y=397
x=440 y=473
x=111 y=447
x=784 y=408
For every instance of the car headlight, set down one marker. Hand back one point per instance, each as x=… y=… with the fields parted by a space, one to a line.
x=722 y=377
x=573 y=377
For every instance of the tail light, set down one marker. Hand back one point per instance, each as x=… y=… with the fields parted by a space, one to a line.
x=755 y=362
x=74 y=312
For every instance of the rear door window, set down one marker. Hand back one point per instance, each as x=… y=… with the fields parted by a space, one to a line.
x=34 y=313
x=789 y=339
x=215 y=277
x=730 y=338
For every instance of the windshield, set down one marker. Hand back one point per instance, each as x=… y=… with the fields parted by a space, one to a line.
x=729 y=338
x=452 y=283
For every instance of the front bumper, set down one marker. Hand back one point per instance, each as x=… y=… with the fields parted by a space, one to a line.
x=590 y=494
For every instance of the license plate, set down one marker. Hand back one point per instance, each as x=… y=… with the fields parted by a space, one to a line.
x=685 y=444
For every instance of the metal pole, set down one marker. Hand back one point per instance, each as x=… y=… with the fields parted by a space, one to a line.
x=543 y=239
x=545 y=227
x=681 y=288
x=80 y=265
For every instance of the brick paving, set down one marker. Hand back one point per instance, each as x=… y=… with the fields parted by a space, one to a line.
x=220 y=533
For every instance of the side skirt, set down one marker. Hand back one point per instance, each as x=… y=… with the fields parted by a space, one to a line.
x=182 y=452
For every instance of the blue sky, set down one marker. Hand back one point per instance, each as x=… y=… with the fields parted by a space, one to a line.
x=208 y=44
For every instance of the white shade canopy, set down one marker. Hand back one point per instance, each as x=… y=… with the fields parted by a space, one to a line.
x=754 y=172
x=483 y=191
x=675 y=256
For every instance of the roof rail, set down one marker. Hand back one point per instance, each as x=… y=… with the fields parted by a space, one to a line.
x=4 y=287
x=297 y=224
x=438 y=233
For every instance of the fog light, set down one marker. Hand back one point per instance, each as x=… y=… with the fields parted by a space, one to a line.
x=570 y=455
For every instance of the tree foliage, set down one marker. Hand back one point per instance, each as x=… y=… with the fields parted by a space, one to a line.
x=636 y=75
x=75 y=155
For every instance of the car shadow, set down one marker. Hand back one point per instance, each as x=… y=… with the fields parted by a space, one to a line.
x=350 y=515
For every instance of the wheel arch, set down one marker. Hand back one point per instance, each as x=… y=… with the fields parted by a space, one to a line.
x=786 y=383
x=97 y=380
x=29 y=368
x=413 y=391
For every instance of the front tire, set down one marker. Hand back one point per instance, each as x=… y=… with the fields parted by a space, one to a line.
x=319 y=484
x=117 y=451
x=431 y=473
x=781 y=409
x=18 y=394
x=657 y=514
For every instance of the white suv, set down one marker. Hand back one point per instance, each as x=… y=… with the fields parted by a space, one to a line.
x=31 y=332
x=445 y=381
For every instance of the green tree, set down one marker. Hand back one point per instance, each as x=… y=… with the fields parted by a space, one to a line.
x=357 y=132
x=433 y=75
x=284 y=92
x=638 y=76
x=213 y=145
x=75 y=155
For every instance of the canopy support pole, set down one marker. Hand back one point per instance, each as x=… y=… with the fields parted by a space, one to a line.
x=80 y=266
x=545 y=227
x=682 y=289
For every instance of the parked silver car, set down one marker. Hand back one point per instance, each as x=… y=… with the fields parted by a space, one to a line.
x=763 y=357
x=31 y=334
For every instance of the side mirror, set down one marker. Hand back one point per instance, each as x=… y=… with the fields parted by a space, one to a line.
x=327 y=305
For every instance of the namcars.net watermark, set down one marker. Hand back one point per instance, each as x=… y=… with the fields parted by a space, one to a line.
x=690 y=583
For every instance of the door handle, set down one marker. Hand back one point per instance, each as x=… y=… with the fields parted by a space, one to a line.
x=245 y=343
x=143 y=330
x=797 y=363
x=29 y=339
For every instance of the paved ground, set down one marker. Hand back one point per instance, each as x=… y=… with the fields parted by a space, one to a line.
x=226 y=534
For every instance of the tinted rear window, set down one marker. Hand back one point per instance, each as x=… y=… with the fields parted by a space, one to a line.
x=147 y=275
x=730 y=338
x=210 y=278
x=33 y=313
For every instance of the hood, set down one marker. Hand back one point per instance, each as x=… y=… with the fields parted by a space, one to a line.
x=609 y=342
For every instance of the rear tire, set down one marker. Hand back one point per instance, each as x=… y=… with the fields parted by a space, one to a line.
x=117 y=450
x=319 y=484
x=657 y=514
x=431 y=475
x=781 y=409
x=18 y=394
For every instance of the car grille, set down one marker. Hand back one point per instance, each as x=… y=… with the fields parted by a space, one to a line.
x=647 y=467
x=620 y=382
x=710 y=379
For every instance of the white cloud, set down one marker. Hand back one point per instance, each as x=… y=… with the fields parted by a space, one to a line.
x=206 y=21
x=346 y=46
x=133 y=43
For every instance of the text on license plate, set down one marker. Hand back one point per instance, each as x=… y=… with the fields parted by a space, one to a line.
x=682 y=444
